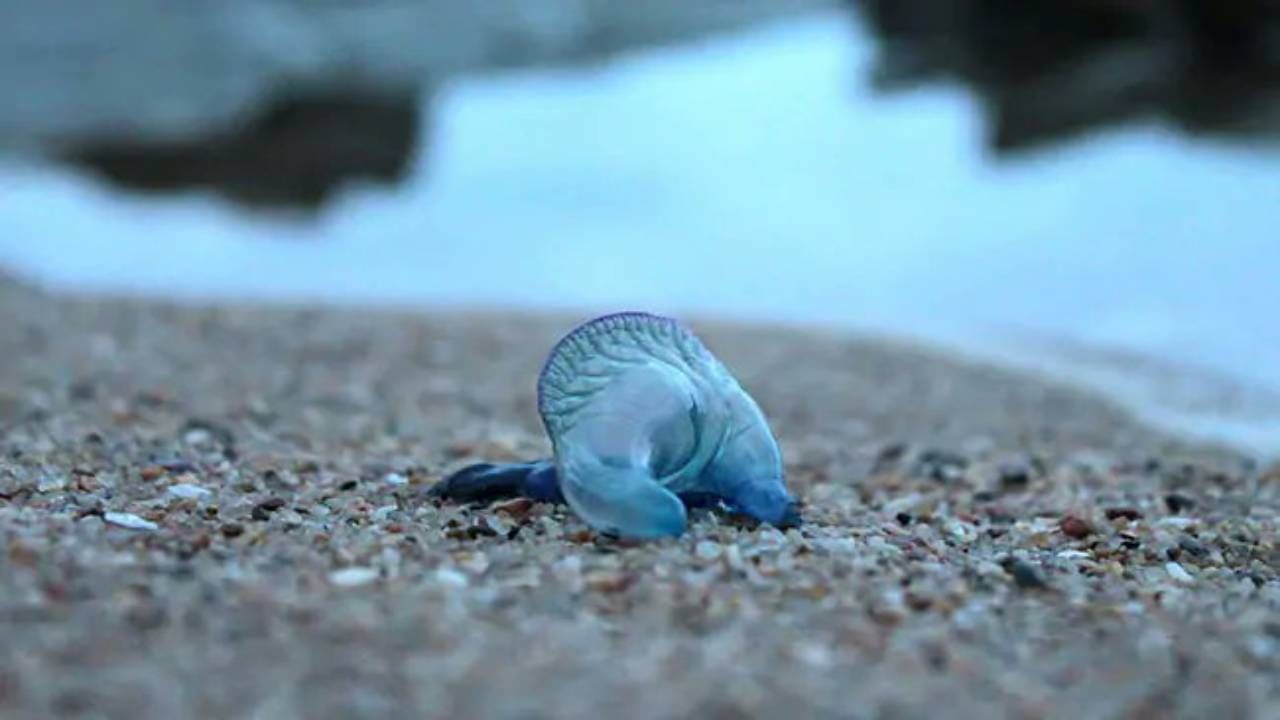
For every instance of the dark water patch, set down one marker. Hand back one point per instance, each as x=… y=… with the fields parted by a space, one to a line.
x=296 y=152
x=1047 y=71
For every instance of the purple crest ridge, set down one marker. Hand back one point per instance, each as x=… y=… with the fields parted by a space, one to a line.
x=636 y=314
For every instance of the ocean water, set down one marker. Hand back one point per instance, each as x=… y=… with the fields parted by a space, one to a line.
x=755 y=176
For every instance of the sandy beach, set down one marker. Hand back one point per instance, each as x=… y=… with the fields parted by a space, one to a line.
x=222 y=512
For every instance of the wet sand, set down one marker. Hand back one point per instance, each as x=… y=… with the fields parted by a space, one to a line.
x=221 y=512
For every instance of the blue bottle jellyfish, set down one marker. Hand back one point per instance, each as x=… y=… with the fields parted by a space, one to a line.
x=644 y=423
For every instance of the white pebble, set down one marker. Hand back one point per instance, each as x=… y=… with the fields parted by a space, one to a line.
x=353 y=576
x=707 y=549
x=1178 y=573
x=51 y=484
x=188 y=491
x=838 y=546
x=395 y=479
x=961 y=532
x=906 y=503
x=882 y=546
x=568 y=565
x=197 y=437
x=770 y=537
x=129 y=520
x=496 y=524
x=733 y=556
x=814 y=655
x=451 y=578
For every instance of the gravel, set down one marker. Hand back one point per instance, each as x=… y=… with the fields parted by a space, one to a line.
x=977 y=540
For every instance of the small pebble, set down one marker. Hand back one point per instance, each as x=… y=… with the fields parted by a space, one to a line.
x=1075 y=527
x=479 y=528
x=262 y=511
x=516 y=508
x=353 y=576
x=496 y=524
x=1178 y=503
x=129 y=520
x=188 y=491
x=451 y=578
x=707 y=550
x=1014 y=475
x=1026 y=575
x=607 y=581
x=1193 y=546
x=1178 y=573
x=395 y=479
x=51 y=484
x=733 y=556
x=888 y=456
x=835 y=546
x=903 y=505
x=941 y=465
x=960 y=532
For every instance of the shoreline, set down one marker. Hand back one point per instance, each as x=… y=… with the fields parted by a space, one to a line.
x=1198 y=405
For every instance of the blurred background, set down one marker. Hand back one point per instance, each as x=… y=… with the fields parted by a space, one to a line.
x=1088 y=188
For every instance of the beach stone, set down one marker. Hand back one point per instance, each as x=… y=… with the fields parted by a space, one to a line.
x=1075 y=527
x=1179 y=573
x=353 y=576
x=129 y=520
x=707 y=550
x=51 y=483
x=449 y=577
x=1123 y=513
x=188 y=491
x=1192 y=546
x=1179 y=503
x=1014 y=475
x=1025 y=575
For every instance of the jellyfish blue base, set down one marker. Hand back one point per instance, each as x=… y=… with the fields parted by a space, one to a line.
x=486 y=482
